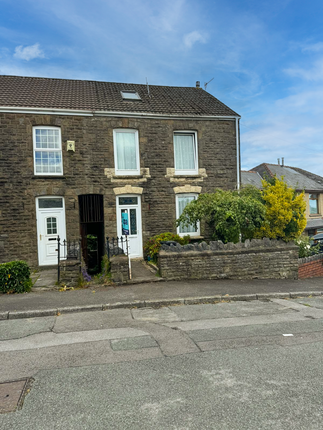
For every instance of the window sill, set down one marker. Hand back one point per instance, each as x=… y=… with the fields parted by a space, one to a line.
x=127 y=176
x=187 y=175
x=48 y=177
x=182 y=177
x=315 y=215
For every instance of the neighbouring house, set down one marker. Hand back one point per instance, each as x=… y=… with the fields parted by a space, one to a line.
x=299 y=179
x=80 y=157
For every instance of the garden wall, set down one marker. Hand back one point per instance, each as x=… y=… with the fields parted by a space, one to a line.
x=70 y=272
x=311 y=267
x=119 y=268
x=258 y=258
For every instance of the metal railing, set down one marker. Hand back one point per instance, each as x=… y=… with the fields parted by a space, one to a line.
x=117 y=246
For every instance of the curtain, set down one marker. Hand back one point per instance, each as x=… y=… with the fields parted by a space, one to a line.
x=182 y=202
x=126 y=151
x=184 y=152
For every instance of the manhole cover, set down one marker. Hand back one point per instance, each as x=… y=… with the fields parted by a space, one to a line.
x=12 y=394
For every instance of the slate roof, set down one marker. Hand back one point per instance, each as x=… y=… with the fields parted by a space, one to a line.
x=314 y=224
x=18 y=91
x=251 y=178
x=293 y=176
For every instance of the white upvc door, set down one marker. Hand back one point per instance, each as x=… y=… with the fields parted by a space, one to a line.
x=129 y=207
x=50 y=225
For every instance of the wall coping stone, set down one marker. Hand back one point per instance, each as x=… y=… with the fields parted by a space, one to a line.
x=316 y=257
x=218 y=247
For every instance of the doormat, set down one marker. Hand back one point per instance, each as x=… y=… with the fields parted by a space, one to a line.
x=12 y=394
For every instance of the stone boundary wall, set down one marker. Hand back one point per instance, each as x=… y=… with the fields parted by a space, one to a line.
x=311 y=267
x=258 y=258
x=70 y=272
x=119 y=268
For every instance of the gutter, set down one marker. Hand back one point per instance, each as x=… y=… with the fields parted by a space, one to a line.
x=238 y=151
x=93 y=113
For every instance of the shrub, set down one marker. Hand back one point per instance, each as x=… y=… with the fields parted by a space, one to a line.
x=228 y=213
x=153 y=245
x=304 y=247
x=15 y=277
x=285 y=211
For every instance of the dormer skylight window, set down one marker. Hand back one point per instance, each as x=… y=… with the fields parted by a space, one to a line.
x=130 y=95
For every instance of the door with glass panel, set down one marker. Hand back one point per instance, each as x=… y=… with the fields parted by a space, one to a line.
x=129 y=222
x=50 y=224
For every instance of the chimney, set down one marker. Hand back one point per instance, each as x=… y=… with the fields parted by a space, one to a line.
x=197 y=84
x=282 y=161
x=278 y=161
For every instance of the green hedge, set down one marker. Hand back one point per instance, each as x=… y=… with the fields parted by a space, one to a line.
x=15 y=277
x=152 y=246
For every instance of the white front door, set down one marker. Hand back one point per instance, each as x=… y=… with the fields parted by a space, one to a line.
x=129 y=208
x=50 y=225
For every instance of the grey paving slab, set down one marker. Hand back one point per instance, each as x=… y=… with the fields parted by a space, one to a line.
x=133 y=343
x=156 y=315
x=92 y=320
x=316 y=302
x=153 y=291
x=245 y=389
x=45 y=340
x=26 y=363
x=45 y=278
x=248 y=331
x=238 y=321
x=227 y=310
x=14 y=329
x=256 y=341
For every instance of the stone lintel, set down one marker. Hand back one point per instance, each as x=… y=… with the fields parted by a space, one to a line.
x=128 y=189
x=188 y=189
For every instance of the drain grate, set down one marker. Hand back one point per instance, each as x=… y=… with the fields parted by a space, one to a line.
x=12 y=394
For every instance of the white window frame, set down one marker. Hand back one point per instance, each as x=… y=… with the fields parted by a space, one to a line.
x=192 y=234
x=124 y=172
x=47 y=127
x=196 y=168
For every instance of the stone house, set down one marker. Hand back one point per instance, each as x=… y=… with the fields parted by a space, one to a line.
x=79 y=157
x=299 y=179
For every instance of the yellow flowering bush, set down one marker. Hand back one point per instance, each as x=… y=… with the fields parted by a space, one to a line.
x=285 y=211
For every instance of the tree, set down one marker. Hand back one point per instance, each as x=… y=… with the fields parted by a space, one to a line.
x=277 y=212
x=285 y=211
x=229 y=213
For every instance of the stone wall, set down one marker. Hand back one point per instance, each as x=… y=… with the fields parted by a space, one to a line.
x=311 y=267
x=70 y=272
x=90 y=169
x=119 y=268
x=263 y=259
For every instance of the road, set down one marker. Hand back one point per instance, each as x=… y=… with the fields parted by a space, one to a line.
x=237 y=365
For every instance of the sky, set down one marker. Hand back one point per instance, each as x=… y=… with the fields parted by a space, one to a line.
x=266 y=58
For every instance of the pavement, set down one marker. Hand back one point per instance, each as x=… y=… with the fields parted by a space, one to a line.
x=239 y=365
x=152 y=294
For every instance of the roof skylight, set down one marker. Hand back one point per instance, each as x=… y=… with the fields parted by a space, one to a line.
x=130 y=95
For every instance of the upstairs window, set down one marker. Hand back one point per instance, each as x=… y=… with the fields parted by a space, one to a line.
x=185 y=153
x=126 y=152
x=130 y=95
x=47 y=151
x=314 y=205
x=182 y=200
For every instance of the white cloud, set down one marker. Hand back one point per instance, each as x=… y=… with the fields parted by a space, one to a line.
x=28 y=52
x=314 y=47
x=193 y=37
x=314 y=73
